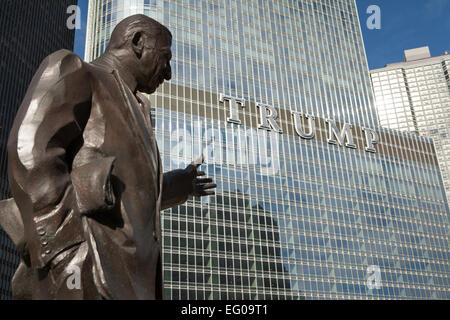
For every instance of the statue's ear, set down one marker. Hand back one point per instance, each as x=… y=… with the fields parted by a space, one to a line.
x=138 y=44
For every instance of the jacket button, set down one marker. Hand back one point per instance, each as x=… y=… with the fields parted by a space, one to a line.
x=41 y=231
x=44 y=243
x=48 y=251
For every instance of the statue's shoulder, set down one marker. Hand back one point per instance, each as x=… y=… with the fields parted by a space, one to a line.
x=62 y=65
x=64 y=62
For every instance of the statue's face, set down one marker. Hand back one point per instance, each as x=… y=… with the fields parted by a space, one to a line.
x=155 y=64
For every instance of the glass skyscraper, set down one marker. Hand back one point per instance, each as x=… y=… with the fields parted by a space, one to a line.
x=299 y=213
x=414 y=96
x=29 y=31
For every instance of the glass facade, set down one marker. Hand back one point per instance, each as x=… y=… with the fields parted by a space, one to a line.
x=414 y=96
x=293 y=218
x=29 y=31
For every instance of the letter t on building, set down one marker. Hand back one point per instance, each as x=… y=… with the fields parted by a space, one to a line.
x=234 y=112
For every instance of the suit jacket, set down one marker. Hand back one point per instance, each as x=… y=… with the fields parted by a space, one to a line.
x=85 y=171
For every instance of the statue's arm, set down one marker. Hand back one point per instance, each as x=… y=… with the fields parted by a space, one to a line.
x=179 y=185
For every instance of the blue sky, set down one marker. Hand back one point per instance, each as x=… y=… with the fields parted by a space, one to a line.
x=405 y=24
x=80 y=35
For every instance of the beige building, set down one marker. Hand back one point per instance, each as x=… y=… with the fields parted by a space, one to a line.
x=414 y=96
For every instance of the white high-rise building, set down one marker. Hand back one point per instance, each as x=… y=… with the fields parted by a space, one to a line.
x=414 y=96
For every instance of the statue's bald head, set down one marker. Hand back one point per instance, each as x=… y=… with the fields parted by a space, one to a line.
x=142 y=50
x=139 y=24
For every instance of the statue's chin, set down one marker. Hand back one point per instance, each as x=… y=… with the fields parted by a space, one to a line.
x=146 y=90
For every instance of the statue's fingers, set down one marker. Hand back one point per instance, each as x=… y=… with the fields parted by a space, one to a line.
x=205 y=193
x=191 y=168
x=203 y=180
x=201 y=173
x=199 y=161
x=208 y=186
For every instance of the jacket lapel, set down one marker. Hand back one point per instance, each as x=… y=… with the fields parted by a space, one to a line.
x=137 y=120
x=139 y=117
x=147 y=115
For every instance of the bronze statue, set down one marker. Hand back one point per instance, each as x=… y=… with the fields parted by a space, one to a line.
x=86 y=175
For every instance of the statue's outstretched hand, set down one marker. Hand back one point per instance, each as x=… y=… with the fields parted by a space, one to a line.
x=201 y=186
x=180 y=184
